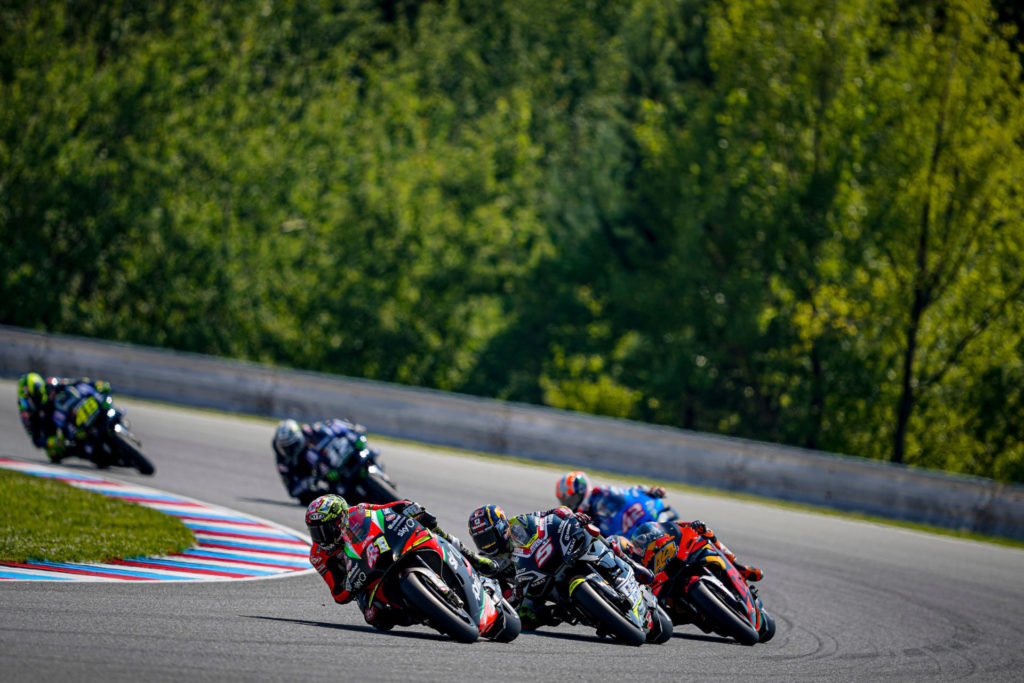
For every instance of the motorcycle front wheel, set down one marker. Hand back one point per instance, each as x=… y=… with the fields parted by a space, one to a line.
x=129 y=450
x=425 y=597
x=607 y=616
x=726 y=621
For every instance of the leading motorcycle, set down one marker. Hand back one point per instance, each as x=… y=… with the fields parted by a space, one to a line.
x=98 y=431
x=696 y=583
x=567 y=562
x=398 y=562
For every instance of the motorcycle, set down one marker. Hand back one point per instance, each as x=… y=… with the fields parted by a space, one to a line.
x=621 y=516
x=696 y=583
x=349 y=468
x=98 y=431
x=398 y=562
x=569 y=564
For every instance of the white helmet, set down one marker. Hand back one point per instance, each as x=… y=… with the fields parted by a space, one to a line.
x=289 y=441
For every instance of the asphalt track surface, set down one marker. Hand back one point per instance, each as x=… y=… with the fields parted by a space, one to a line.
x=854 y=601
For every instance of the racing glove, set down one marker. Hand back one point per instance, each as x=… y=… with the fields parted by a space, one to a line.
x=702 y=529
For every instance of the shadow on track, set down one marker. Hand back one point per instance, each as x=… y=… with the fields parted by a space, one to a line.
x=704 y=638
x=562 y=635
x=356 y=627
x=268 y=501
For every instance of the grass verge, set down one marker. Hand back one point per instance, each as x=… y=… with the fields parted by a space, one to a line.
x=46 y=519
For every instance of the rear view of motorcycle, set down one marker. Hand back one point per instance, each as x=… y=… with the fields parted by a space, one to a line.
x=350 y=468
x=400 y=563
x=563 y=561
x=698 y=584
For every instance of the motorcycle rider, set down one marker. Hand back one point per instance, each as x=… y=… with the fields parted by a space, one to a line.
x=327 y=519
x=45 y=406
x=648 y=532
x=302 y=454
x=604 y=502
x=497 y=537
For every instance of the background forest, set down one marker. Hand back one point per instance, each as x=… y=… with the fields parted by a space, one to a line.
x=797 y=221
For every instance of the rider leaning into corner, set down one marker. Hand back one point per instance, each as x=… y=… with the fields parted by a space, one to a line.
x=300 y=448
x=47 y=408
x=602 y=502
x=497 y=537
x=328 y=518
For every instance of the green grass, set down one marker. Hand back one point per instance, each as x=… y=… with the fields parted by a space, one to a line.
x=46 y=519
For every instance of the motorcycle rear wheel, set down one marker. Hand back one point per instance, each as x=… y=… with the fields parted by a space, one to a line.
x=607 y=615
x=436 y=609
x=129 y=451
x=726 y=621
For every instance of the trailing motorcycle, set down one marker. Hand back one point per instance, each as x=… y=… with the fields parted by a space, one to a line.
x=398 y=562
x=568 y=563
x=349 y=468
x=696 y=583
x=98 y=431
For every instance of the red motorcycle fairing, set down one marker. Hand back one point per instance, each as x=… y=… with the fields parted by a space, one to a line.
x=686 y=550
x=382 y=546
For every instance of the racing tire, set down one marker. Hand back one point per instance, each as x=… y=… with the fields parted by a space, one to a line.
x=512 y=625
x=440 y=615
x=767 y=631
x=726 y=621
x=379 y=490
x=129 y=451
x=607 y=615
x=662 y=629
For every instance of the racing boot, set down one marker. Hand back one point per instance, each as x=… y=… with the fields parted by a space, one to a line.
x=55 y=449
x=748 y=573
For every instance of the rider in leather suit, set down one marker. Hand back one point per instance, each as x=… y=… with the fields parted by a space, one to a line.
x=47 y=408
x=300 y=450
x=492 y=532
x=327 y=521
x=574 y=490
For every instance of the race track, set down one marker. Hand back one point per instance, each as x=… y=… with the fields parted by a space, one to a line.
x=854 y=601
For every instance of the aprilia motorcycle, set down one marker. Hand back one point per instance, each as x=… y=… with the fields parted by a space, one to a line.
x=563 y=561
x=98 y=431
x=349 y=467
x=397 y=561
x=698 y=584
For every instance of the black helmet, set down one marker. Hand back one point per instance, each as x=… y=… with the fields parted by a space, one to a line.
x=488 y=526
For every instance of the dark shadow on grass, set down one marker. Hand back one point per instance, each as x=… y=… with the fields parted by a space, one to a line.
x=358 y=628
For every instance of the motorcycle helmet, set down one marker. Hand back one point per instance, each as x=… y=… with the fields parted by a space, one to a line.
x=32 y=388
x=489 y=528
x=624 y=546
x=289 y=442
x=646 y=536
x=326 y=518
x=572 y=489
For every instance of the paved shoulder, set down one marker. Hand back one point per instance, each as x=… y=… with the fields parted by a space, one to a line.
x=229 y=544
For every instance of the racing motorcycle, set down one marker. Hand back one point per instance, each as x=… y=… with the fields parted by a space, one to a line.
x=98 y=431
x=568 y=563
x=623 y=516
x=349 y=468
x=696 y=583
x=396 y=561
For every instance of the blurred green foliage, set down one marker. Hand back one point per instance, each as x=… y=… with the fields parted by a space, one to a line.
x=790 y=220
